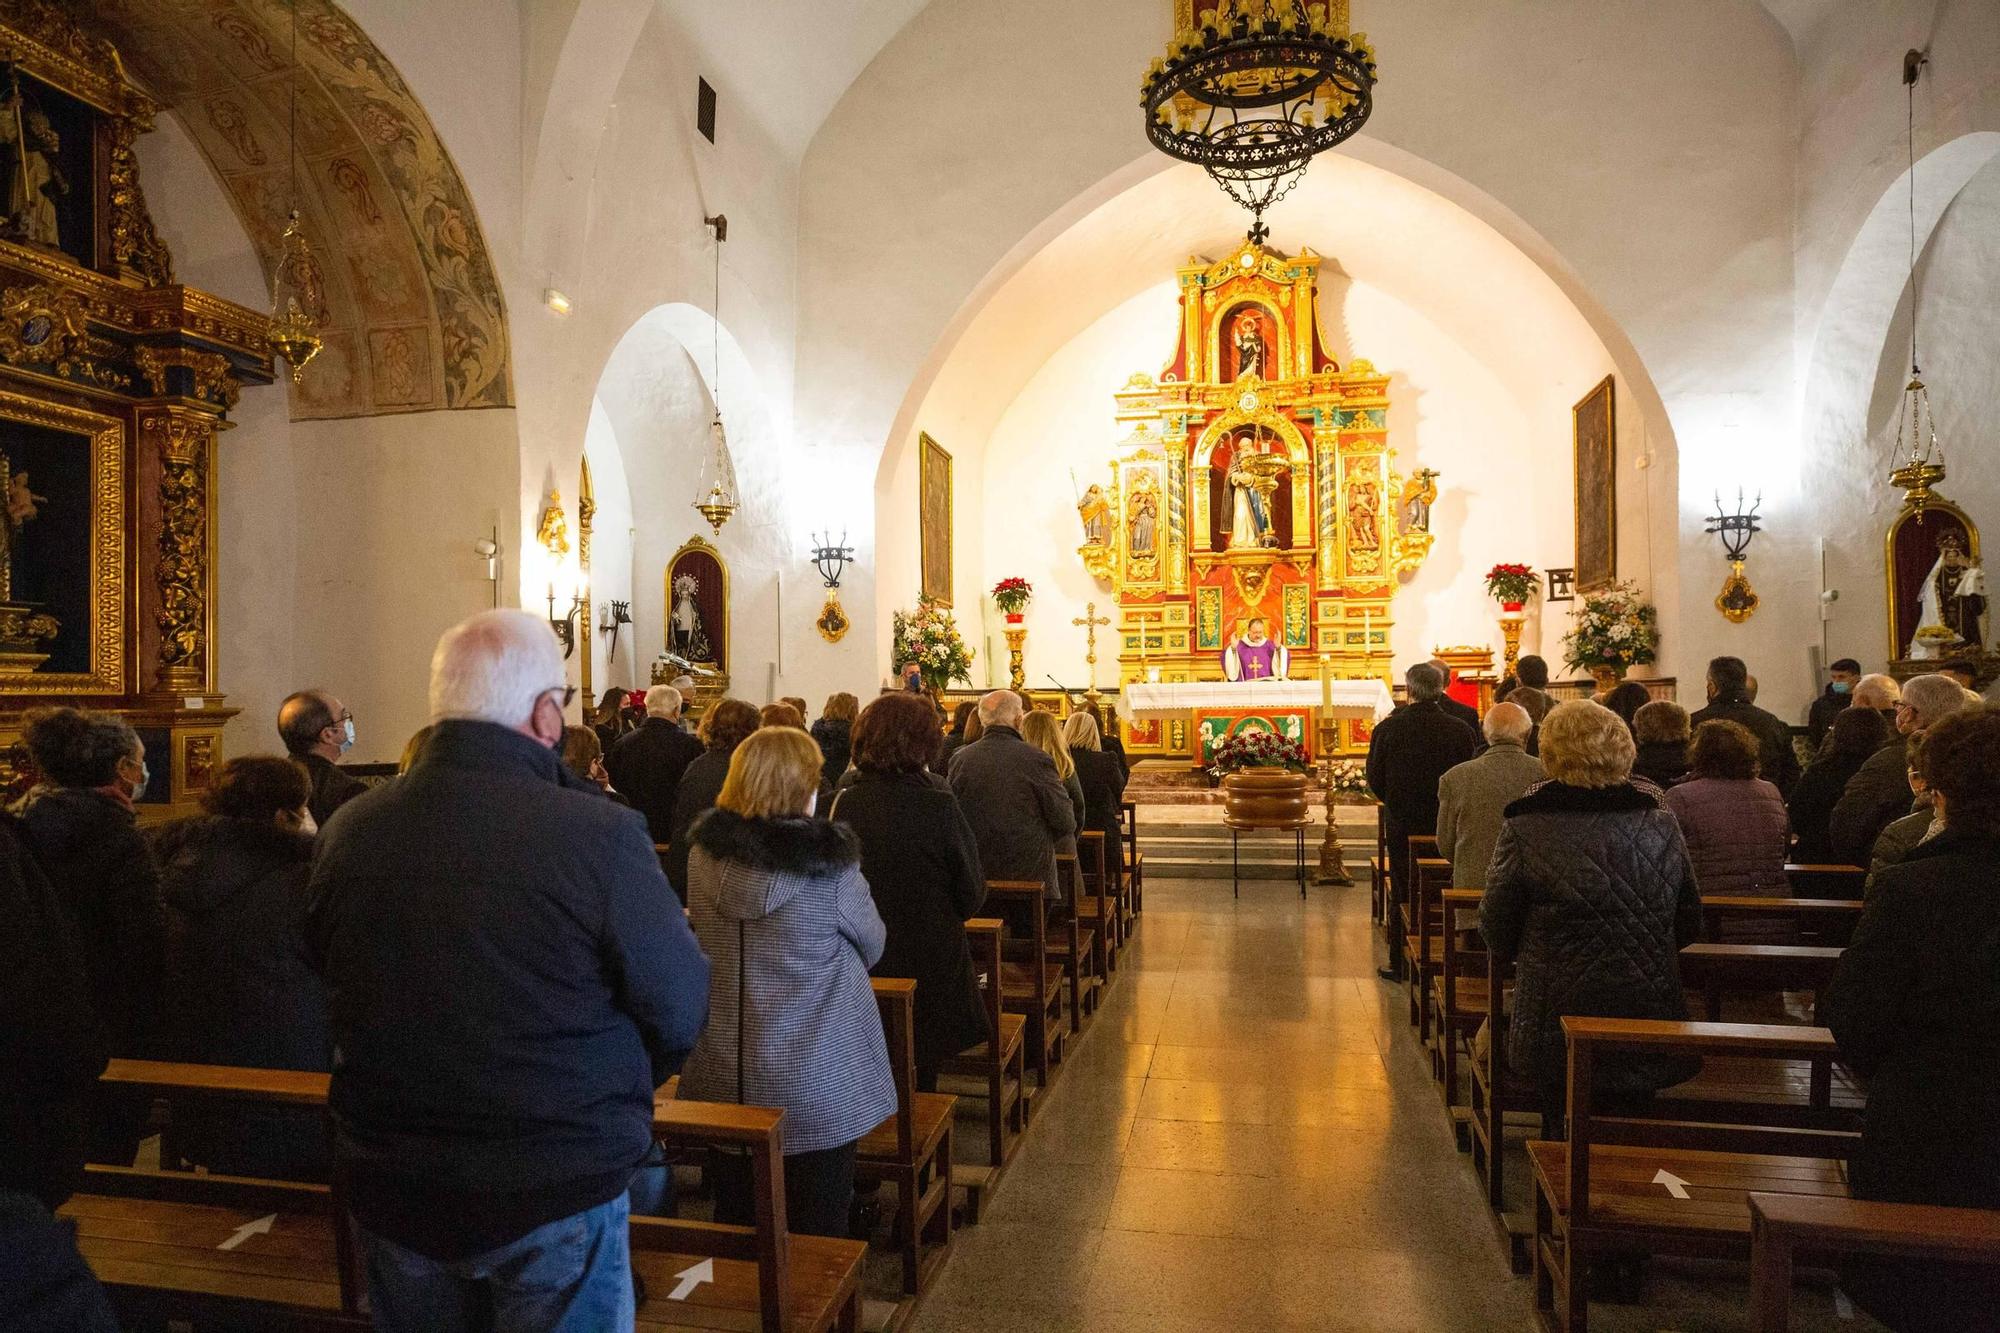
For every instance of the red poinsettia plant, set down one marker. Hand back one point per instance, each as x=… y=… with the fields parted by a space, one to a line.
x=1011 y=595
x=1258 y=749
x=1511 y=583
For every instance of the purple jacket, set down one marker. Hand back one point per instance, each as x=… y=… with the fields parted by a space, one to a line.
x=1737 y=834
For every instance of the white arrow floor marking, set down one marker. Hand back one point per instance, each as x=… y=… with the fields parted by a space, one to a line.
x=690 y=1278
x=1675 y=1185
x=260 y=1227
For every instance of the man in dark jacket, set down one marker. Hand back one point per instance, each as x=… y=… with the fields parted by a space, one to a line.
x=1464 y=712
x=1411 y=749
x=1879 y=793
x=1729 y=701
x=317 y=729
x=1833 y=701
x=646 y=765
x=509 y=978
x=1019 y=809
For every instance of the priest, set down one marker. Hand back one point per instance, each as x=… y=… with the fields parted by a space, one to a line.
x=1254 y=656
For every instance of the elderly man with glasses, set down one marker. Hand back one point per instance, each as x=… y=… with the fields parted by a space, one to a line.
x=1879 y=793
x=509 y=978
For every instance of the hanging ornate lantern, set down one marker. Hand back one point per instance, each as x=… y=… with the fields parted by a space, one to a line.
x=298 y=294
x=718 y=500
x=1921 y=464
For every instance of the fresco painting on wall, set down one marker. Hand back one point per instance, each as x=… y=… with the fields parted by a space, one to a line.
x=934 y=519
x=1595 y=435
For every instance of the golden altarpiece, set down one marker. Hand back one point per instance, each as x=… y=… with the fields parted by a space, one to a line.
x=115 y=382
x=1255 y=482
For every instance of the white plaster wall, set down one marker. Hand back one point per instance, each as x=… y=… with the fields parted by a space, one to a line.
x=611 y=565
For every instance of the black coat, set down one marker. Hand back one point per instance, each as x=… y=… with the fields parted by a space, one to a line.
x=646 y=767
x=89 y=846
x=1116 y=749
x=1819 y=720
x=1662 y=763
x=1019 y=809
x=1467 y=714
x=699 y=787
x=1811 y=805
x=1876 y=796
x=45 y=1286
x=332 y=787
x=1777 y=763
x=509 y=978
x=1103 y=779
x=1913 y=1006
x=1411 y=749
x=244 y=992
x=834 y=738
x=922 y=867
x=51 y=1050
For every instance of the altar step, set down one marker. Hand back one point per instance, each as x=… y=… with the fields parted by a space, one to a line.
x=1185 y=849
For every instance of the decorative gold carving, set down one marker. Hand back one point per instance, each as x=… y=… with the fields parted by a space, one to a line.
x=40 y=326
x=212 y=377
x=1738 y=600
x=182 y=574
x=833 y=623
x=1017 y=671
x=197 y=763
x=553 y=534
x=135 y=244
x=47 y=43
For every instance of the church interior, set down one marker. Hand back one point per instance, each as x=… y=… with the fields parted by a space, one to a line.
x=1386 y=597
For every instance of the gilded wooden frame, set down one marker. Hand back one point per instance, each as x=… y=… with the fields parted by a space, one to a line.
x=1596 y=481
x=1900 y=651
x=108 y=581
x=688 y=547
x=933 y=530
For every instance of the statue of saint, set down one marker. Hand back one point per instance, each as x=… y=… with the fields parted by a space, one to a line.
x=1253 y=655
x=22 y=505
x=1250 y=521
x=1953 y=599
x=686 y=635
x=1249 y=348
x=1418 y=495
x=28 y=148
x=1144 y=523
x=1362 y=534
x=1095 y=511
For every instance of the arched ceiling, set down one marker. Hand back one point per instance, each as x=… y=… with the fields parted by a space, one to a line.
x=413 y=317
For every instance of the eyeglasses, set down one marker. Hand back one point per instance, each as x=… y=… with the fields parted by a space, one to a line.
x=568 y=694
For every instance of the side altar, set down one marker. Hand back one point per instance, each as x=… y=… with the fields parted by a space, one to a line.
x=1256 y=527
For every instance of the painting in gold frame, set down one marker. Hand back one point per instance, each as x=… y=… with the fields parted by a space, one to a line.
x=934 y=518
x=1594 y=437
x=96 y=612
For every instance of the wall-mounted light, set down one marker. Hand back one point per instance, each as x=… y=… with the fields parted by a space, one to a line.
x=565 y=625
x=1737 y=600
x=831 y=557
x=555 y=301
x=615 y=615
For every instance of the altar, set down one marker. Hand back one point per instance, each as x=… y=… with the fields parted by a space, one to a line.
x=1257 y=525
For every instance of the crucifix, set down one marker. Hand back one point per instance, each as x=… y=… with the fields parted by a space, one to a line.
x=1090 y=620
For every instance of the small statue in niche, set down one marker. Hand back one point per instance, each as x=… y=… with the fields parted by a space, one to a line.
x=1362 y=534
x=1418 y=495
x=688 y=637
x=1095 y=511
x=28 y=148
x=1144 y=523
x=23 y=505
x=1249 y=348
x=1953 y=600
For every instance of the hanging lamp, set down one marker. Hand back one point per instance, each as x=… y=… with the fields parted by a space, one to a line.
x=1917 y=460
x=296 y=289
x=718 y=474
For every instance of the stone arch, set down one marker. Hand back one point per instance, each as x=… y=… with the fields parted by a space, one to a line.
x=414 y=318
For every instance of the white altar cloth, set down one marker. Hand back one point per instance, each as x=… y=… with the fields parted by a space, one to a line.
x=1368 y=699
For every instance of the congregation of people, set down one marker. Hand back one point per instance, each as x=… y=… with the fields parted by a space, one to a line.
x=1595 y=828
x=497 y=966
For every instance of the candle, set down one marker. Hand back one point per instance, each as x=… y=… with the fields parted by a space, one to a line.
x=1325 y=683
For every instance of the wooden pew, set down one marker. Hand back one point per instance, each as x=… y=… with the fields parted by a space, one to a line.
x=1097 y=903
x=1827 y=881
x=1616 y=1186
x=1074 y=944
x=1783 y=1226
x=1828 y=921
x=999 y=1060
x=1459 y=993
x=912 y=1148
x=1029 y=984
x=1135 y=860
x=1422 y=956
x=1378 y=870
x=1714 y=969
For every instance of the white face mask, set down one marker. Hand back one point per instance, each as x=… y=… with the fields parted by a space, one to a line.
x=307 y=824
x=347 y=735
x=812 y=804
x=145 y=776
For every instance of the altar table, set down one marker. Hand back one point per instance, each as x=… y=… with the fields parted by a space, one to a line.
x=1366 y=699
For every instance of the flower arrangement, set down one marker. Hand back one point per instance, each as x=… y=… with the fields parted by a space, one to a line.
x=1011 y=595
x=1511 y=584
x=1348 y=777
x=929 y=637
x=1258 y=749
x=1614 y=629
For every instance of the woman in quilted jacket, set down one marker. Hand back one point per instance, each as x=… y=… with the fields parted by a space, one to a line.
x=1738 y=834
x=777 y=899
x=1591 y=894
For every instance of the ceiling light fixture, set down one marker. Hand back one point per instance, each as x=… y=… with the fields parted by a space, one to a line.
x=1922 y=457
x=718 y=500
x=297 y=292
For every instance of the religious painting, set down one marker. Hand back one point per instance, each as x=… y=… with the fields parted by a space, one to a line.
x=1212 y=729
x=1937 y=586
x=697 y=589
x=1595 y=436
x=47 y=143
x=934 y=518
x=62 y=549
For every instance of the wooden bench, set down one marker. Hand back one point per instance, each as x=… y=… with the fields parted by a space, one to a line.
x=1097 y=903
x=1826 y=921
x=1135 y=860
x=1716 y=969
x=1628 y=1184
x=1827 y=881
x=999 y=1060
x=1785 y=1226
x=1074 y=945
x=912 y=1148
x=1423 y=914
x=1029 y=984
x=1461 y=997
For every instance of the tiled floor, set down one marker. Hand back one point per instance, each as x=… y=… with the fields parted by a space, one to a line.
x=1248 y=1137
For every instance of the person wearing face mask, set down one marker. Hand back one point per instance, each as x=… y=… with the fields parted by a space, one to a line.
x=80 y=826
x=508 y=977
x=234 y=880
x=317 y=730
x=1833 y=701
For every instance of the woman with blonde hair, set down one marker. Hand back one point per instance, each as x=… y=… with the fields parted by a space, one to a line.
x=1042 y=731
x=835 y=733
x=1592 y=895
x=779 y=904
x=1102 y=778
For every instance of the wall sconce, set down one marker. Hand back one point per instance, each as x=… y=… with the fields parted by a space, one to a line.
x=565 y=626
x=1737 y=600
x=615 y=614
x=830 y=559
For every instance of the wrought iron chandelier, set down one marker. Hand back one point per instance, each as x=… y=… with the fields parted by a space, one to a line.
x=1255 y=90
x=297 y=292
x=718 y=500
x=1917 y=461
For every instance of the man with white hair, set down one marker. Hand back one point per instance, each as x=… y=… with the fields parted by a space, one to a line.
x=1017 y=806
x=647 y=763
x=508 y=977
x=1473 y=797
x=1879 y=793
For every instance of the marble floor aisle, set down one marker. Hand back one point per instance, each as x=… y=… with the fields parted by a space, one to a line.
x=1247 y=1138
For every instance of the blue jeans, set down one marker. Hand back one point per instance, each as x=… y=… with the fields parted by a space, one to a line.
x=573 y=1275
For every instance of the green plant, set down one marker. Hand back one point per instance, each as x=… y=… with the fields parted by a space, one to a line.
x=1011 y=595
x=1511 y=583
